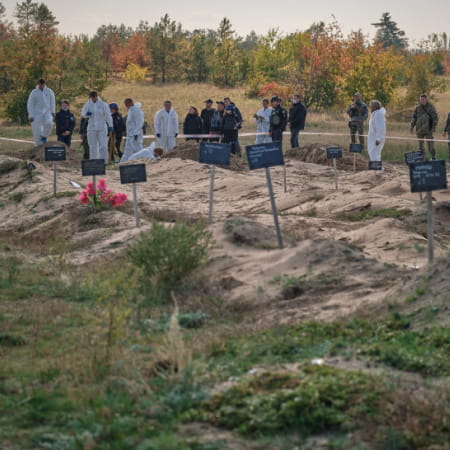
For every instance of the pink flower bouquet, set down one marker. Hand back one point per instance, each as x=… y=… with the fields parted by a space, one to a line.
x=101 y=196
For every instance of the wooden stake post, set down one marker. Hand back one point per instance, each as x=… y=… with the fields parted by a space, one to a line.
x=55 y=154
x=355 y=148
x=264 y=156
x=334 y=153
x=214 y=153
x=132 y=174
x=428 y=176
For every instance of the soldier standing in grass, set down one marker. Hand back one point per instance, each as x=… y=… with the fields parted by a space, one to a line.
x=425 y=120
x=447 y=130
x=358 y=114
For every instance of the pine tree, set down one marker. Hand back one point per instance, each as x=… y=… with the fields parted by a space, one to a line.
x=389 y=34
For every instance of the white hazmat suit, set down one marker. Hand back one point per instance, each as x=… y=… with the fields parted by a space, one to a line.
x=97 y=130
x=377 y=133
x=166 y=126
x=135 y=131
x=41 y=108
x=263 y=125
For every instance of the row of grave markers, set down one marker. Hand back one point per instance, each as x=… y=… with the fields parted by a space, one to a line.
x=425 y=176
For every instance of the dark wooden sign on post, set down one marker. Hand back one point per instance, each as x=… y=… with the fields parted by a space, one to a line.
x=413 y=157
x=355 y=148
x=55 y=154
x=428 y=176
x=375 y=165
x=93 y=167
x=214 y=153
x=132 y=174
x=333 y=153
x=264 y=156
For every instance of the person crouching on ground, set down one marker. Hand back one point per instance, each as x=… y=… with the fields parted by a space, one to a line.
x=377 y=130
x=65 y=123
x=100 y=122
x=135 y=129
x=193 y=123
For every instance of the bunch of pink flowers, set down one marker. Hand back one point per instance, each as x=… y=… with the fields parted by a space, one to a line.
x=102 y=196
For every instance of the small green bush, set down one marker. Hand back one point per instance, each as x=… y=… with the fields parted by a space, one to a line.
x=167 y=255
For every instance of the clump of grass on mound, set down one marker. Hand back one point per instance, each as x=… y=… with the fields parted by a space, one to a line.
x=167 y=255
x=314 y=400
x=393 y=213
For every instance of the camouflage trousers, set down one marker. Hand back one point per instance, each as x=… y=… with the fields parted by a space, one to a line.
x=356 y=127
x=430 y=144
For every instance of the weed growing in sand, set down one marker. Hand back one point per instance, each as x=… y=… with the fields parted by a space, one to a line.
x=167 y=255
x=394 y=213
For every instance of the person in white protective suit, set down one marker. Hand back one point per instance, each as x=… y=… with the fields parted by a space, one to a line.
x=135 y=129
x=100 y=122
x=166 y=126
x=41 y=111
x=262 y=118
x=377 y=131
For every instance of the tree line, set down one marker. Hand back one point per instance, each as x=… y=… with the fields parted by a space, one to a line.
x=320 y=62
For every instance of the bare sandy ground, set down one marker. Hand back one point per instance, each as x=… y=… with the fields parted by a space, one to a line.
x=334 y=265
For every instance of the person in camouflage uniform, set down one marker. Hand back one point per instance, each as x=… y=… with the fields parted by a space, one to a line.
x=425 y=120
x=447 y=130
x=83 y=136
x=358 y=114
x=278 y=120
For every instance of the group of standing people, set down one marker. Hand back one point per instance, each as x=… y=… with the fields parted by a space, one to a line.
x=425 y=120
x=102 y=127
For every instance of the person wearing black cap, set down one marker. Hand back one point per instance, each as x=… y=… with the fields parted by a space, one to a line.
x=278 y=120
x=119 y=129
x=230 y=126
x=206 y=115
x=227 y=101
x=297 y=118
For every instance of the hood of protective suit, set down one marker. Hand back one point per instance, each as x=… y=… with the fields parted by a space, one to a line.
x=138 y=105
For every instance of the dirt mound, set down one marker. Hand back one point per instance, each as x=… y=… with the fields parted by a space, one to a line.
x=190 y=150
x=38 y=154
x=317 y=154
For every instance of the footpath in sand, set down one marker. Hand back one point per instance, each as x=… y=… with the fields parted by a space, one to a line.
x=345 y=248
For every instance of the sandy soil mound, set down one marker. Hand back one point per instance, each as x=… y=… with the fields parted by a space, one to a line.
x=190 y=150
x=317 y=154
x=344 y=248
x=38 y=154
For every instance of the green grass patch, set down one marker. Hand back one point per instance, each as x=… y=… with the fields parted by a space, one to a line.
x=314 y=400
x=393 y=213
x=391 y=343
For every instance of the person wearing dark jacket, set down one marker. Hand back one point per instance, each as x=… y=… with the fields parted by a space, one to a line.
x=278 y=120
x=65 y=123
x=447 y=130
x=207 y=115
x=230 y=127
x=119 y=128
x=193 y=124
x=227 y=102
x=216 y=121
x=297 y=117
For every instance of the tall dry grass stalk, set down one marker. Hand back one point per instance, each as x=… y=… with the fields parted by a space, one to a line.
x=173 y=356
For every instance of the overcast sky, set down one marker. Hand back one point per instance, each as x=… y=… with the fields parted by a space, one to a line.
x=416 y=17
